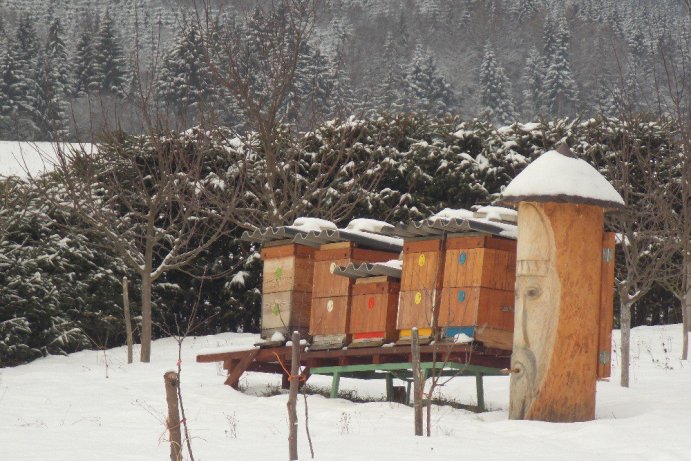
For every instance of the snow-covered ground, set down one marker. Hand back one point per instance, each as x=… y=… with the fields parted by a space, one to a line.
x=92 y=405
x=18 y=158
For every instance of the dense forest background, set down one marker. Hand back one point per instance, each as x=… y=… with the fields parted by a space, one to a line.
x=502 y=60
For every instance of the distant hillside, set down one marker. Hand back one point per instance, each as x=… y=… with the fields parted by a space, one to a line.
x=502 y=59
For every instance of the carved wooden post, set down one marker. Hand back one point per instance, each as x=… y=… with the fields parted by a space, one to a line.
x=561 y=203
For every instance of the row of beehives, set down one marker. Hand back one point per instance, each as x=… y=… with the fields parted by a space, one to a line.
x=350 y=289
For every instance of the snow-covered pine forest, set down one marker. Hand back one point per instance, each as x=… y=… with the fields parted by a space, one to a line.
x=504 y=61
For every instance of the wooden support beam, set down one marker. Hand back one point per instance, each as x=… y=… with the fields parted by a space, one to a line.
x=480 y=392
x=239 y=368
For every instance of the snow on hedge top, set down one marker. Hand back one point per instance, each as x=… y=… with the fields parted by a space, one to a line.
x=368 y=225
x=314 y=224
x=555 y=177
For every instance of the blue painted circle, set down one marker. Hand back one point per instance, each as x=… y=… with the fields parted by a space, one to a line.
x=462 y=258
x=461 y=295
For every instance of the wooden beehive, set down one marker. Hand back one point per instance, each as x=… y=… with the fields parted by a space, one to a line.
x=422 y=268
x=331 y=294
x=478 y=289
x=373 y=311
x=287 y=289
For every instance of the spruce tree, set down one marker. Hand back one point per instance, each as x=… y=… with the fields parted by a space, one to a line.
x=109 y=63
x=85 y=79
x=427 y=89
x=54 y=85
x=533 y=80
x=185 y=81
x=391 y=89
x=495 y=90
x=560 y=87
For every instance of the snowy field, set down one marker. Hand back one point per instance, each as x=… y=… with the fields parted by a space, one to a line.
x=18 y=158
x=92 y=405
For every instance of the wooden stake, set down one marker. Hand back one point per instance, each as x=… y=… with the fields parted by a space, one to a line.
x=417 y=381
x=128 y=318
x=292 y=398
x=173 y=421
x=558 y=281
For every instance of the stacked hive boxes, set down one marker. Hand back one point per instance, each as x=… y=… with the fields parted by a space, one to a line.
x=287 y=289
x=477 y=297
x=331 y=294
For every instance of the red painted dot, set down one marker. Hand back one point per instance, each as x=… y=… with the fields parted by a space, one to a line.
x=370 y=303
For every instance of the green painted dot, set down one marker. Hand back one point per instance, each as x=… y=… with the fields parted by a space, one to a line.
x=276 y=309
x=278 y=274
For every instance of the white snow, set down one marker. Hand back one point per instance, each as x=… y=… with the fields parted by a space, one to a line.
x=450 y=213
x=314 y=224
x=278 y=337
x=378 y=237
x=496 y=213
x=368 y=225
x=394 y=263
x=20 y=158
x=65 y=409
x=553 y=174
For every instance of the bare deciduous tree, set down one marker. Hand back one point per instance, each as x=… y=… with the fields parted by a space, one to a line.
x=157 y=201
x=297 y=169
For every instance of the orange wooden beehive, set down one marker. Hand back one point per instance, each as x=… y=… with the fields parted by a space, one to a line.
x=332 y=294
x=422 y=266
x=287 y=289
x=477 y=296
x=374 y=310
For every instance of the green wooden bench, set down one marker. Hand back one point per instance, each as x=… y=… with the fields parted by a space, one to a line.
x=403 y=371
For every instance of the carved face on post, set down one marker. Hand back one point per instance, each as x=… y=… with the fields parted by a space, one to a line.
x=536 y=315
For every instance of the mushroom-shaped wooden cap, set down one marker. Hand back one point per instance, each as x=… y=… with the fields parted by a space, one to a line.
x=558 y=176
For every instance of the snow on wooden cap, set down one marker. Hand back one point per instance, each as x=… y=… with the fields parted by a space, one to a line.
x=558 y=176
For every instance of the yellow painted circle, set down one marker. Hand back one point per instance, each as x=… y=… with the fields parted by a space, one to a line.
x=329 y=305
x=418 y=297
x=421 y=260
x=332 y=267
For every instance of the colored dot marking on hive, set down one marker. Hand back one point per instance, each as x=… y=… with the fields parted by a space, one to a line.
x=276 y=309
x=418 y=297
x=370 y=303
x=329 y=305
x=278 y=274
x=421 y=260
x=462 y=258
x=461 y=295
x=332 y=267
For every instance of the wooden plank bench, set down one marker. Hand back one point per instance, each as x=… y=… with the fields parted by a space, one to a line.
x=365 y=363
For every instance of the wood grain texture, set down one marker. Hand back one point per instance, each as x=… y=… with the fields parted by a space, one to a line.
x=330 y=315
x=288 y=273
x=285 y=312
x=604 y=345
x=477 y=307
x=415 y=309
x=419 y=270
x=480 y=267
x=374 y=308
x=557 y=312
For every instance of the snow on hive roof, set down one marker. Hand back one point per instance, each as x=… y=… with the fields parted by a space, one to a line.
x=556 y=177
x=369 y=225
x=313 y=224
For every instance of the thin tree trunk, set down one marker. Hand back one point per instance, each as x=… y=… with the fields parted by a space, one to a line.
x=145 y=355
x=128 y=318
x=292 y=398
x=686 y=312
x=625 y=320
x=417 y=381
x=173 y=421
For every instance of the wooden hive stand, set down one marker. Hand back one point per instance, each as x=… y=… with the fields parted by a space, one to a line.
x=332 y=294
x=287 y=290
x=477 y=297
